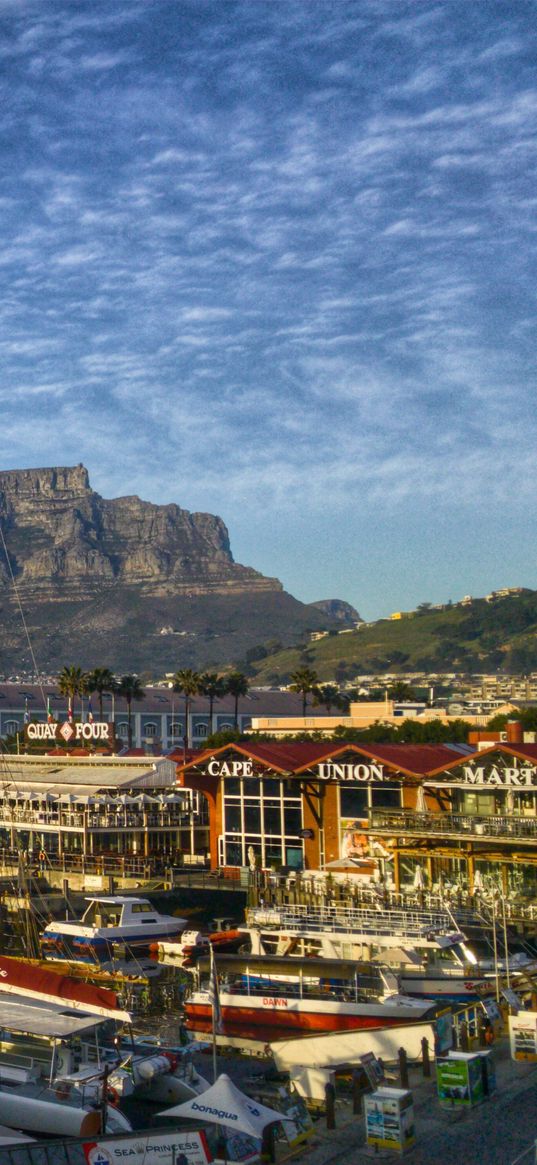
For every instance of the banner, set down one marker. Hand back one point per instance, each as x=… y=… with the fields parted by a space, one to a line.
x=174 y=1147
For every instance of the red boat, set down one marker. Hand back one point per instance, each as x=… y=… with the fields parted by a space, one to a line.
x=258 y=997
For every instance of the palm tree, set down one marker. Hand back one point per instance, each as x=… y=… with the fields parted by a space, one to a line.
x=304 y=681
x=236 y=685
x=71 y=683
x=328 y=696
x=131 y=689
x=187 y=682
x=101 y=680
x=213 y=687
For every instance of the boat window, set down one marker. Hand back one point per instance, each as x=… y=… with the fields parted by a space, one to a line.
x=141 y=908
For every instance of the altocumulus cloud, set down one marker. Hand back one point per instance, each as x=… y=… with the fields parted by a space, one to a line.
x=294 y=241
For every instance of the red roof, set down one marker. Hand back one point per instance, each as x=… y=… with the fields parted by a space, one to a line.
x=292 y=757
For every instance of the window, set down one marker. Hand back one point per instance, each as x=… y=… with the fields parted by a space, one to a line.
x=150 y=729
x=176 y=729
x=200 y=730
x=11 y=727
x=122 y=730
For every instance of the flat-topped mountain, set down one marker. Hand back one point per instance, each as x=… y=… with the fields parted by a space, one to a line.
x=127 y=584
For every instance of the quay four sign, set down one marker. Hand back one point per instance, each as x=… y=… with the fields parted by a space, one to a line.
x=97 y=730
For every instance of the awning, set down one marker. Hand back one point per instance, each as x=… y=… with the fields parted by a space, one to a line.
x=224 y=1104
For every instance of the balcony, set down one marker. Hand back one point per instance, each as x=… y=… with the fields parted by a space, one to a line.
x=411 y=824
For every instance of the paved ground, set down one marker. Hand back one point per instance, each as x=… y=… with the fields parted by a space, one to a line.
x=494 y=1133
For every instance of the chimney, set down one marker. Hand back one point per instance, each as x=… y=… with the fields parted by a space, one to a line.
x=515 y=734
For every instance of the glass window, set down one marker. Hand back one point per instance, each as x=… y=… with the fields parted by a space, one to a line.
x=353 y=802
x=293 y=820
x=232 y=853
x=252 y=818
x=272 y=819
x=251 y=787
x=271 y=788
x=232 y=787
x=122 y=730
x=294 y=857
x=385 y=796
x=273 y=854
x=150 y=730
x=200 y=730
x=233 y=818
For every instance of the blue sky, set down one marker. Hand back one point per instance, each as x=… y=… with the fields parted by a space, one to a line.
x=277 y=261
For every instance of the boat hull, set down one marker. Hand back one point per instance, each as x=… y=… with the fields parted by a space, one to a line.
x=262 y=1016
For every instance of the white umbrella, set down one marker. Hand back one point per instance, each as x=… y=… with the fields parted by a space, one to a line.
x=478 y=882
x=224 y=1104
x=421 y=806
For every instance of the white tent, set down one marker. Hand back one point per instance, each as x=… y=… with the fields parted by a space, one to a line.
x=224 y=1104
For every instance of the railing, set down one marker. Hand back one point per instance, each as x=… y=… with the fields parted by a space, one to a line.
x=408 y=822
x=74 y=819
x=413 y=924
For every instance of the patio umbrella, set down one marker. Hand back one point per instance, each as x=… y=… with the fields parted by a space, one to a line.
x=419 y=880
x=421 y=806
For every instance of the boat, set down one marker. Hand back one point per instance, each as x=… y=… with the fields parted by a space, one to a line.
x=261 y=995
x=194 y=944
x=427 y=949
x=109 y=923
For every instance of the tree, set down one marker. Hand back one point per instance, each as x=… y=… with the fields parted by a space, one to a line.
x=101 y=680
x=187 y=682
x=304 y=681
x=71 y=683
x=131 y=689
x=328 y=696
x=213 y=687
x=237 y=686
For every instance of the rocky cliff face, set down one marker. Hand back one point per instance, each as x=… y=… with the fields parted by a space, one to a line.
x=126 y=584
x=64 y=539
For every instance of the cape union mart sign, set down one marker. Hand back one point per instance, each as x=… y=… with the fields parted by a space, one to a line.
x=95 y=732
x=505 y=777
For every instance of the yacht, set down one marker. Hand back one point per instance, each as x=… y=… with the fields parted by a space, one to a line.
x=109 y=923
x=426 y=949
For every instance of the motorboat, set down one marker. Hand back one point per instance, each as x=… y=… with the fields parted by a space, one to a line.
x=194 y=944
x=65 y=1035
x=109 y=923
x=426 y=949
x=261 y=995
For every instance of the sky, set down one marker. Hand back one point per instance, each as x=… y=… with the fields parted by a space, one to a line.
x=277 y=262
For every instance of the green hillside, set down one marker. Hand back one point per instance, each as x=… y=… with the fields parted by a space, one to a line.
x=482 y=637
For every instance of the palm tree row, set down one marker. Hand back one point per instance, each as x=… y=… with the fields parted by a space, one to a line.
x=73 y=682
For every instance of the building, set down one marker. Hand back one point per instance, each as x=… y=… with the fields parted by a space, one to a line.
x=99 y=807
x=363 y=715
x=446 y=817
x=158 y=721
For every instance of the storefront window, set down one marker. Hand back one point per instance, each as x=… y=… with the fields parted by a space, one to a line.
x=233 y=819
x=386 y=796
x=353 y=802
x=272 y=817
x=252 y=818
x=293 y=819
x=271 y=788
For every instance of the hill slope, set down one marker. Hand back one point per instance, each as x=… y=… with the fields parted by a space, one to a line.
x=482 y=637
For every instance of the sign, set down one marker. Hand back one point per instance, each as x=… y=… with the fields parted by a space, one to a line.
x=389 y=1119
x=523 y=1036
x=93 y=732
x=358 y=773
x=373 y=1069
x=174 y=1147
x=306 y=834
x=354 y=842
x=230 y=768
x=459 y=1080
x=506 y=778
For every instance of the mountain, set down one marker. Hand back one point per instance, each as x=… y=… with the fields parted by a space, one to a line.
x=496 y=633
x=127 y=584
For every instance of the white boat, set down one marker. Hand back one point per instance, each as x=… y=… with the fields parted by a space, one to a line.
x=108 y=923
x=60 y=1033
x=426 y=949
x=260 y=996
